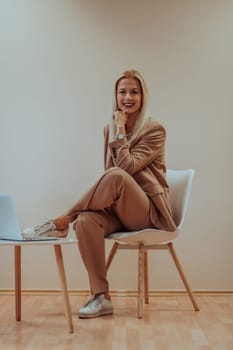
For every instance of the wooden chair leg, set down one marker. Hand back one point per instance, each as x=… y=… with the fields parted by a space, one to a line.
x=140 y=279
x=146 y=281
x=112 y=254
x=182 y=275
x=62 y=276
x=17 y=249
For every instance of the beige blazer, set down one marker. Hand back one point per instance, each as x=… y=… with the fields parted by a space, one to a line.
x=143 y=158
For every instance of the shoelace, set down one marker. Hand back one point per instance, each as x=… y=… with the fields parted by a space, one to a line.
x=95 y=300
x=45 y=227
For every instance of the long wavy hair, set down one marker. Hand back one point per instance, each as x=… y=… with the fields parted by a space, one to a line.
x=143 y=113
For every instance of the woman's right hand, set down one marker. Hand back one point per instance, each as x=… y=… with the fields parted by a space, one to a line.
x=120 y=119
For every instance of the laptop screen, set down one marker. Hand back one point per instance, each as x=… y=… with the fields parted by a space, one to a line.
x=9 y=225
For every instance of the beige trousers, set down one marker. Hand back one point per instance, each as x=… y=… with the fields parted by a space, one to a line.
x=116 y=202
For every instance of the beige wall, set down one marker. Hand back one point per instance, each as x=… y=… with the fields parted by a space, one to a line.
x=58 y=62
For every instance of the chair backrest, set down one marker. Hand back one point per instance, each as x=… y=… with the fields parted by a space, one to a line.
x=180 y=184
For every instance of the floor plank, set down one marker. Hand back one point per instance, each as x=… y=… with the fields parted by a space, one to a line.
x=169 y=323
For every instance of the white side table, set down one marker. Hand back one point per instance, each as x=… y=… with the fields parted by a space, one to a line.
x=61 y=272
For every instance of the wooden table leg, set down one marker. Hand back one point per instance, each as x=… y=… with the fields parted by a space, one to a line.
x=17 y=282
x=61 y=273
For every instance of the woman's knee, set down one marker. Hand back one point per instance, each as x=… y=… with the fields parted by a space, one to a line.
x=84 y=221
x=116 y=173
x=80 y=222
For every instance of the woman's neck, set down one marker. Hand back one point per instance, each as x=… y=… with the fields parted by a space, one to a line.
x=130 y=123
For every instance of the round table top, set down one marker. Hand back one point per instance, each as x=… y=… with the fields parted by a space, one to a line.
x=39 y=242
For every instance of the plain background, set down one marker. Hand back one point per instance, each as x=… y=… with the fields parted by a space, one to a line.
x=58 y=63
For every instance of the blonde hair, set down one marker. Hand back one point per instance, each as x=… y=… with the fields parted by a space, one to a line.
x=143 y=113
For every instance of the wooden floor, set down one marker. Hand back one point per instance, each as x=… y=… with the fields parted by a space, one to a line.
x=169 y=323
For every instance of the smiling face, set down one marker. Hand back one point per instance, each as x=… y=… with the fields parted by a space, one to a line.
x=129 y=96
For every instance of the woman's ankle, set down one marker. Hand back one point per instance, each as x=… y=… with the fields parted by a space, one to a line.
x=61 y=222
x=106 y=295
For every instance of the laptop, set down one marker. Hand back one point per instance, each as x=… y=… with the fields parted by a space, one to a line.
x=9 y=225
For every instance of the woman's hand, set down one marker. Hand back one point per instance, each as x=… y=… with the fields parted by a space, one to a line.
x=120 y=119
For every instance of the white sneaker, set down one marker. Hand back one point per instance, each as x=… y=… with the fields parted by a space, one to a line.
x=48 y=228
x=96 y=306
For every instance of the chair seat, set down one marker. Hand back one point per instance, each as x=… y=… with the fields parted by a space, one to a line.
x=147 y=236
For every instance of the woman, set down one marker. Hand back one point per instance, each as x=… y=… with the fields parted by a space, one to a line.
x=132 y=194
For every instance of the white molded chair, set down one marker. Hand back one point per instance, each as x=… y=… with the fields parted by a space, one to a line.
x=180 y=183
